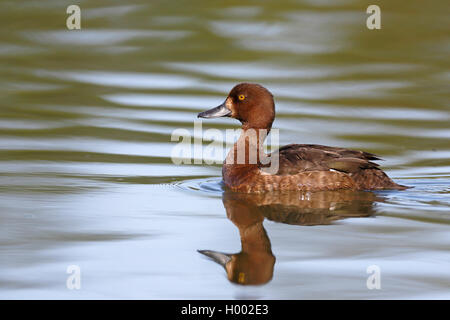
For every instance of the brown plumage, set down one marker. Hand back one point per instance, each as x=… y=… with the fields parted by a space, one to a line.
x=301 y=167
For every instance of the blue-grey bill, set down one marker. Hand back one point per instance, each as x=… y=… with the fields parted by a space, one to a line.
x=220 y=111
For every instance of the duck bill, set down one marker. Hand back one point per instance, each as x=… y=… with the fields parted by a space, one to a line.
x=217 y=112
x=219 y=257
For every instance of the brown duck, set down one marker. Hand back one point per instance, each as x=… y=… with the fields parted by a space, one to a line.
x=302 y=167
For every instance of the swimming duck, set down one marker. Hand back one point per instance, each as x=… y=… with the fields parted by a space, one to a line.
x=299 y=167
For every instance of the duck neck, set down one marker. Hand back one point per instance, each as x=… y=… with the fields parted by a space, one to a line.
x=254 y=239
x=248 y=149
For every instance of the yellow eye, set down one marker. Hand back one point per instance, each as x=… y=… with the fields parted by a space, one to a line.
x=241 y=97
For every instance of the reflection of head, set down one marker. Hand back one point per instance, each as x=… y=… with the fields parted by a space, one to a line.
x=255 y=263
x=250 y=267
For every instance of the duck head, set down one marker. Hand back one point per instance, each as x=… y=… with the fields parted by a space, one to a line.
x=250 y=103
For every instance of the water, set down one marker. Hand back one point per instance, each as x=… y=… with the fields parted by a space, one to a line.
x=87 y=178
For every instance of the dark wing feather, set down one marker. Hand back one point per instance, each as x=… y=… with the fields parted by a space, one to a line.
x=295 y=158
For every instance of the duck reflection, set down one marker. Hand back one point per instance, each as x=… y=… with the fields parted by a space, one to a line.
x=254 y=264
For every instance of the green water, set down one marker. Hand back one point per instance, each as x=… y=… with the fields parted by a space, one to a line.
x=87 y=179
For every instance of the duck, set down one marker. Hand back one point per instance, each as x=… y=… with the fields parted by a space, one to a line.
x=293 y=167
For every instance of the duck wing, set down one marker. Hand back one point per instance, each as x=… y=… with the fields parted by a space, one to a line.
x=296 y=158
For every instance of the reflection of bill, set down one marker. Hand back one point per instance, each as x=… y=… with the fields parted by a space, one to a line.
x=254 y=264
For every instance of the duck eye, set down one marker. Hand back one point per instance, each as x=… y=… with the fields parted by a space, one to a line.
x=241 y=97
